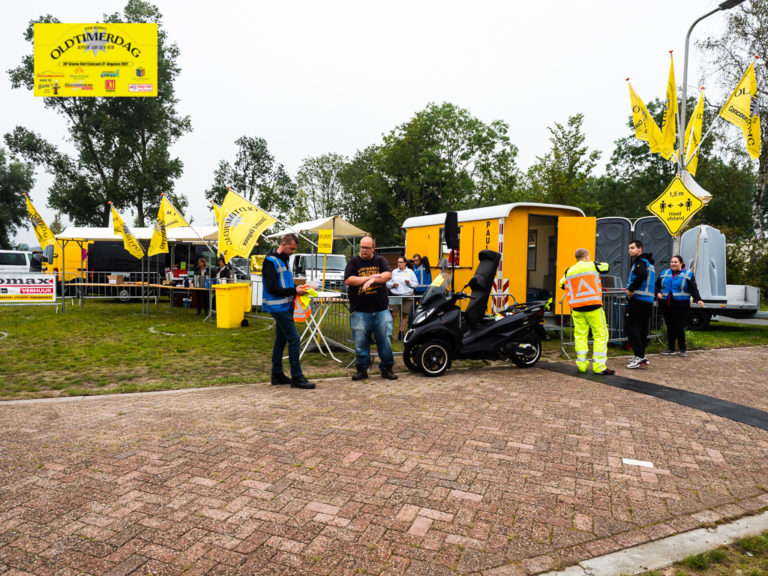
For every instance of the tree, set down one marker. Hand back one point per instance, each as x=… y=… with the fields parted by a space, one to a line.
x=746 y=36
x=15 y=178
x=319 y=179
x=561 y=175
x=256 y=176
x=121 y=144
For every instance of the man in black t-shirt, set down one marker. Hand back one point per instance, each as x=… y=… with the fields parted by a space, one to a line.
x=367 y=275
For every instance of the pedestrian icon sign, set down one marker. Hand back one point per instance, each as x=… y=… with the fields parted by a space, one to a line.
x=676 y=206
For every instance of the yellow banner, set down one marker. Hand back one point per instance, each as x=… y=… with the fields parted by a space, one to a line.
x=109 y=59
x=167 y=217
x=670 y=109
x=693 y=136
x=129 y=240
x=43 y=233
x=325 y=242
x=240 y=226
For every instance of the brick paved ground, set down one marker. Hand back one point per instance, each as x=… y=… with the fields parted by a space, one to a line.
x=498 y=471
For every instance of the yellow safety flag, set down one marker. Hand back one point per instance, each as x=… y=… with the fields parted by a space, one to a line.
x=216 y=212
x=645 y=126
x=742 y=109
x=167 y=217
x=129 y=240
x=668 y=124
x=43 y=233
x=693 y=136
x=240 y=225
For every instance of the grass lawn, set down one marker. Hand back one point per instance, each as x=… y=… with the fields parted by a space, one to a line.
x=109 y=347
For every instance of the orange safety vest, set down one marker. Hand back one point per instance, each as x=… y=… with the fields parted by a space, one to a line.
x=300 y=311
x=584 y=289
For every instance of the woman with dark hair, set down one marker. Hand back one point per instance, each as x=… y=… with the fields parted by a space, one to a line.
x=674 y=289
x=423 y=272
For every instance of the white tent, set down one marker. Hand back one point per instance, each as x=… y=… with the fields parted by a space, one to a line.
x=341 y=228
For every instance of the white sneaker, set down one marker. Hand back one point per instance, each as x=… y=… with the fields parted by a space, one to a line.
x=641 y=363
x=632 y=361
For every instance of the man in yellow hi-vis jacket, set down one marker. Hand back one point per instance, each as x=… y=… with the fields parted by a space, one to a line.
x=585 y=297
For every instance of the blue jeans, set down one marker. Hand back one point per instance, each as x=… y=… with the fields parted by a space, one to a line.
x=285 y=331
x=380 y=325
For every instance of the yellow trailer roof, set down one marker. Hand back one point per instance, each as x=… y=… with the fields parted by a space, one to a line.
x=486 y=213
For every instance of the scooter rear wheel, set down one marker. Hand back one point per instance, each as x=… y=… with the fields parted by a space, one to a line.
x=411 y=358
x=434 y=358
x=532 y=357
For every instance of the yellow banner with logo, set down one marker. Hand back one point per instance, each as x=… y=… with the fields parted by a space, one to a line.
x=167 y=217
x=240 y=225
x=129 y=240
x=108 y=59
x=43 y=233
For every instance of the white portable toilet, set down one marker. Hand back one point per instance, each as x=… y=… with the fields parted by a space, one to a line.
x=703 y=251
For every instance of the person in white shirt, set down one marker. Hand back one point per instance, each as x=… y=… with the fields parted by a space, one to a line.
x=402 y=283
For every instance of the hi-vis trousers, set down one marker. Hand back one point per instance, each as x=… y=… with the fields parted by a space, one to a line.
x=582 y=323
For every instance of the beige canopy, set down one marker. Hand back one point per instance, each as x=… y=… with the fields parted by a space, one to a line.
x=341 y=228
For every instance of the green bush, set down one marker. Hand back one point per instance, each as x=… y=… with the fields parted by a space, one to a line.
x=748 y=264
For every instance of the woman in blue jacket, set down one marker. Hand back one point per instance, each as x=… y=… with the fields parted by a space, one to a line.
x=674 y=289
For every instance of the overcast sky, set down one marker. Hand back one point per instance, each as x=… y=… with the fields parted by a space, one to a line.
x=321 y=76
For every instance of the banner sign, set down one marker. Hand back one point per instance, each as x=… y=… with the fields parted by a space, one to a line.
x=95 y=59
x=20 y=288
x=325 y=242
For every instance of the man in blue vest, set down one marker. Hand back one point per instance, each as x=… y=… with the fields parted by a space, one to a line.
x=277 y=299
x=640 y=286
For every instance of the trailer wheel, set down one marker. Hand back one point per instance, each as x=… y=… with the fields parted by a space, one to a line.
x=124 y=295
x=698 y=320
x=434 y=358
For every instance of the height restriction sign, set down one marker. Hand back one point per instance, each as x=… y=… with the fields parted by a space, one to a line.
x=676 y=206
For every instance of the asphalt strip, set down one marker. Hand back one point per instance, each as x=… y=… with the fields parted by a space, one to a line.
x=710 y=404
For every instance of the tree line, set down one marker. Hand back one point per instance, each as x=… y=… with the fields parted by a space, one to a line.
x=443 y=158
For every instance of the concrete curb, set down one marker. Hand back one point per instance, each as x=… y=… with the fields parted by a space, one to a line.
x=662 y=553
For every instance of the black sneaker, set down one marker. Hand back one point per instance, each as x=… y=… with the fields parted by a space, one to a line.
x=361 y=374
x=281 y=378
x=606 y=372
x=667 y=352
x=387 y=374
x=302 y=382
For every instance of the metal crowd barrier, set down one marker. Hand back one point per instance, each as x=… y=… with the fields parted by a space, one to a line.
x=615 y=308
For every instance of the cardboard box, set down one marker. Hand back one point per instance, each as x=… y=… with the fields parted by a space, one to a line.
x=115 y=279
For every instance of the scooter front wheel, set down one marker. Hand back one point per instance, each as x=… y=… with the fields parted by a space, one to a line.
x=411 y=357
x=530 y=353
x=434 y=358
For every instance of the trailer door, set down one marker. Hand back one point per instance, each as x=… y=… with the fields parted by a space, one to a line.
x=572 y=232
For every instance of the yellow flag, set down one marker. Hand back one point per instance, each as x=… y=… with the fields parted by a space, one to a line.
x=129 y=241
x=43 y=233
x=216 y=212
x=167 y=217
x=693 y=136
x=173 y=218
x=645 y=126
x=736 y=109
x=742 y=109
x=668 y=132
x=240 y=225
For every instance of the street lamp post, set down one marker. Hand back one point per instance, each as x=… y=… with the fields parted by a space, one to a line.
x=727 y=5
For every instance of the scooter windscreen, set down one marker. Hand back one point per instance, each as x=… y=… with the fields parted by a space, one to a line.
x=437 y=289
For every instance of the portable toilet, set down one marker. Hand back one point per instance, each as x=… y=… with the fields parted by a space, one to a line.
x=614 y=234
x=703 y=251
x=656 y=240
x=537 y=243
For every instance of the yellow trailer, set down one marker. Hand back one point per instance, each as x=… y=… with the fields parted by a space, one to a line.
x=536 y=241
